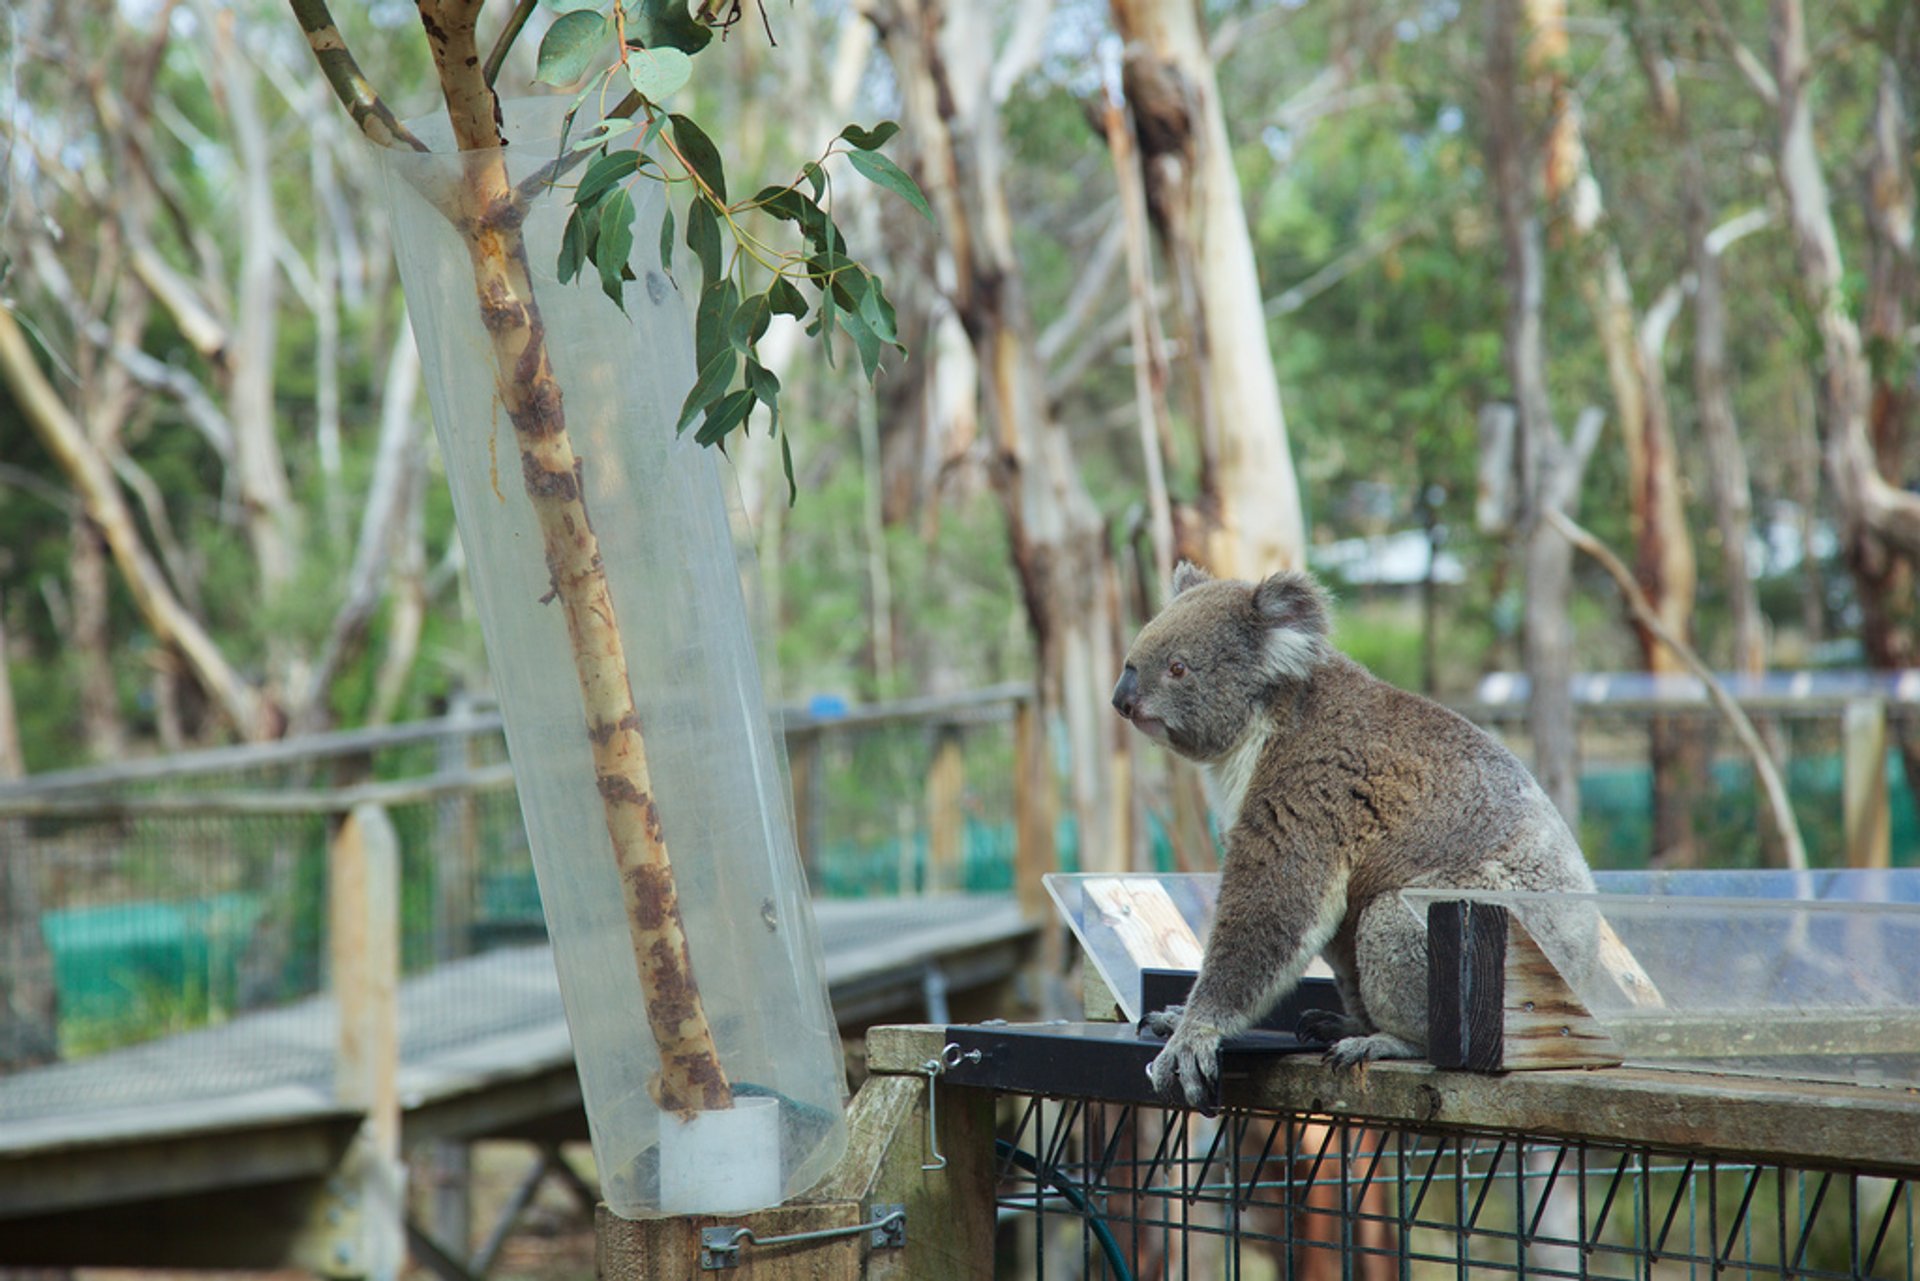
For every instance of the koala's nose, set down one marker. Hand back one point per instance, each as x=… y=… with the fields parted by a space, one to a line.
x=1126 y=692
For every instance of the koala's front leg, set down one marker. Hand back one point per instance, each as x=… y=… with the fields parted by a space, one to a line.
x=1277 y=910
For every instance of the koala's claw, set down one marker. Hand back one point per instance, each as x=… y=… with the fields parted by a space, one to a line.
x=1187 y=1072
x=1358 y=1051
x=1164 y=1022
x=1324 y=1027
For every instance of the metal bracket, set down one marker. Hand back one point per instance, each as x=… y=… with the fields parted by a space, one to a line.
x=951 y=1056
x=720 y=1247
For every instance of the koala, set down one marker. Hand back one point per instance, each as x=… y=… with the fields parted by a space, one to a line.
x=1335 y=791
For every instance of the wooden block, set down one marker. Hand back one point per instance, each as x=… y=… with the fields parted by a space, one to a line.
x=1495 y=1003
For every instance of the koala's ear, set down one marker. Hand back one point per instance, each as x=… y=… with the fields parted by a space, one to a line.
x=1294 y=608
x=1187 y=574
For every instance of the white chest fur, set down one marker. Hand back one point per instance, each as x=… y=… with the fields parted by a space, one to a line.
x=1227 y=778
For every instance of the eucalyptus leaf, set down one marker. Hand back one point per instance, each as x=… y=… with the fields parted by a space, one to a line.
x=616 y=242
x=864 y=340
x=667 y=24
x=703 y=237
x=724 y=417
x=700 y=153
x=870 y=139
x=785 y=299
x=573 y=246
x=786 y=465
x=569 y=46
x=765 y=386
x=877 y=168
x=655 y=73
x=666 y=239
x=709 y=386
x=749 y=323
x=603 y=173
x=713 y=321
x=877 y=312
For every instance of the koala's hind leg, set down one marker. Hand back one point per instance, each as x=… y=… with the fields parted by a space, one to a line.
x=1390 y=955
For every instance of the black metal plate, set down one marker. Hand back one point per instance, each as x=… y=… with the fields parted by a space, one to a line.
x=1161 y=988
x=1105 y=1061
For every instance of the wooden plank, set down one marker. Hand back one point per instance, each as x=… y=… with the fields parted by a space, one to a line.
x=1866 y=806
x=1543 y=1024
x=651 y=1249
x=1796 y=1034
x=1809 y=1123
x=263 y=1227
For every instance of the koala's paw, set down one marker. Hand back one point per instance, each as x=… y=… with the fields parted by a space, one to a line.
x=1358 y=1051
x=1163 y=1022
x=1186 y=1072
x=1324 y=1027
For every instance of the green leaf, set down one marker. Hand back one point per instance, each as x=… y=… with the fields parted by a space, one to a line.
x=765 y=386
x=655 y=73
x=877 y=168
x=816 y=177
x=864 y=340
x=749 y=323
x=786 y=465
x=666 y=239
x=870 y=139
x=616 y=242
x=712 y=320
x=877 y=312
x=707 y=388
x=701 y=154
x=573 y=246
x=567 y=50
x=703 y=237
x=785 y=299
x=724 y=417
x=665 y=24
x=822 y=326
x=603 y=173
x=652 y=135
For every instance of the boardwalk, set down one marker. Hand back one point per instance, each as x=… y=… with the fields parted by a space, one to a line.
x=210 y=1118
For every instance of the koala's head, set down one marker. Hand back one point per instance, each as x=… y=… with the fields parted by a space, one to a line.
x=1200 y=670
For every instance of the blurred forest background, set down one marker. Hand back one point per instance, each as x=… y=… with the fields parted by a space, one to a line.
x=1370 y=285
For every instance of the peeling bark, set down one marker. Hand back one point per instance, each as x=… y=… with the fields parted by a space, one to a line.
x=943 y=58
x=1250 y=522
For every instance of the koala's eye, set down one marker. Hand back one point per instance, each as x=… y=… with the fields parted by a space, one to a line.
x=1176 y=669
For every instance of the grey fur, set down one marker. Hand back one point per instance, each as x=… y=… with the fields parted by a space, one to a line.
x=1356 y=790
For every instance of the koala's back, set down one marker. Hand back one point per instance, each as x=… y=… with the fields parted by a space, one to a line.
x=1404 y=792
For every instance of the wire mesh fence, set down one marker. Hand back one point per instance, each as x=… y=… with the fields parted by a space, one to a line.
x=1111 y=1191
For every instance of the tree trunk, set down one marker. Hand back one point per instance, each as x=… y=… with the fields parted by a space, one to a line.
x=1250 y=519
x=1549 y=467
x=1862 y=421
x=1663 y=549
x=950 y=85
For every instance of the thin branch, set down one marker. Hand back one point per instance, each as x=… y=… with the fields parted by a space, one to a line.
x=1749 y=65
x=350 y=85
x=497 y=57
x=1749 y=737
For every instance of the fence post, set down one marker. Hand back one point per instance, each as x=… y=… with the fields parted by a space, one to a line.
x=448 y=1166
x=946 y=780
x=1866 y=805
x=1034 y=854
x=363 y=902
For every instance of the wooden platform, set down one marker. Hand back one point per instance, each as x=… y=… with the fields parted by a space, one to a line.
x=484 y=1053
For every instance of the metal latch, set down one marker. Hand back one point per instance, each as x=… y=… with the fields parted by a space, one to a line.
x=720 y=1247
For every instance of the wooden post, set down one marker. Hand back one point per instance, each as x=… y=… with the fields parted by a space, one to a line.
x=803 y=766
x=949 y=1222
x=1033 y=809
x=363 y=902
x=1495 y=1003
x=1866 y=806
x=448 y=1166
x=946 y=780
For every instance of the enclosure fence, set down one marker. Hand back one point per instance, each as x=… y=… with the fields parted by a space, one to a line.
x=1102 y=1190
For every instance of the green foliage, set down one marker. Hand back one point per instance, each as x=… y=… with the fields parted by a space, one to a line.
x=744 y=279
